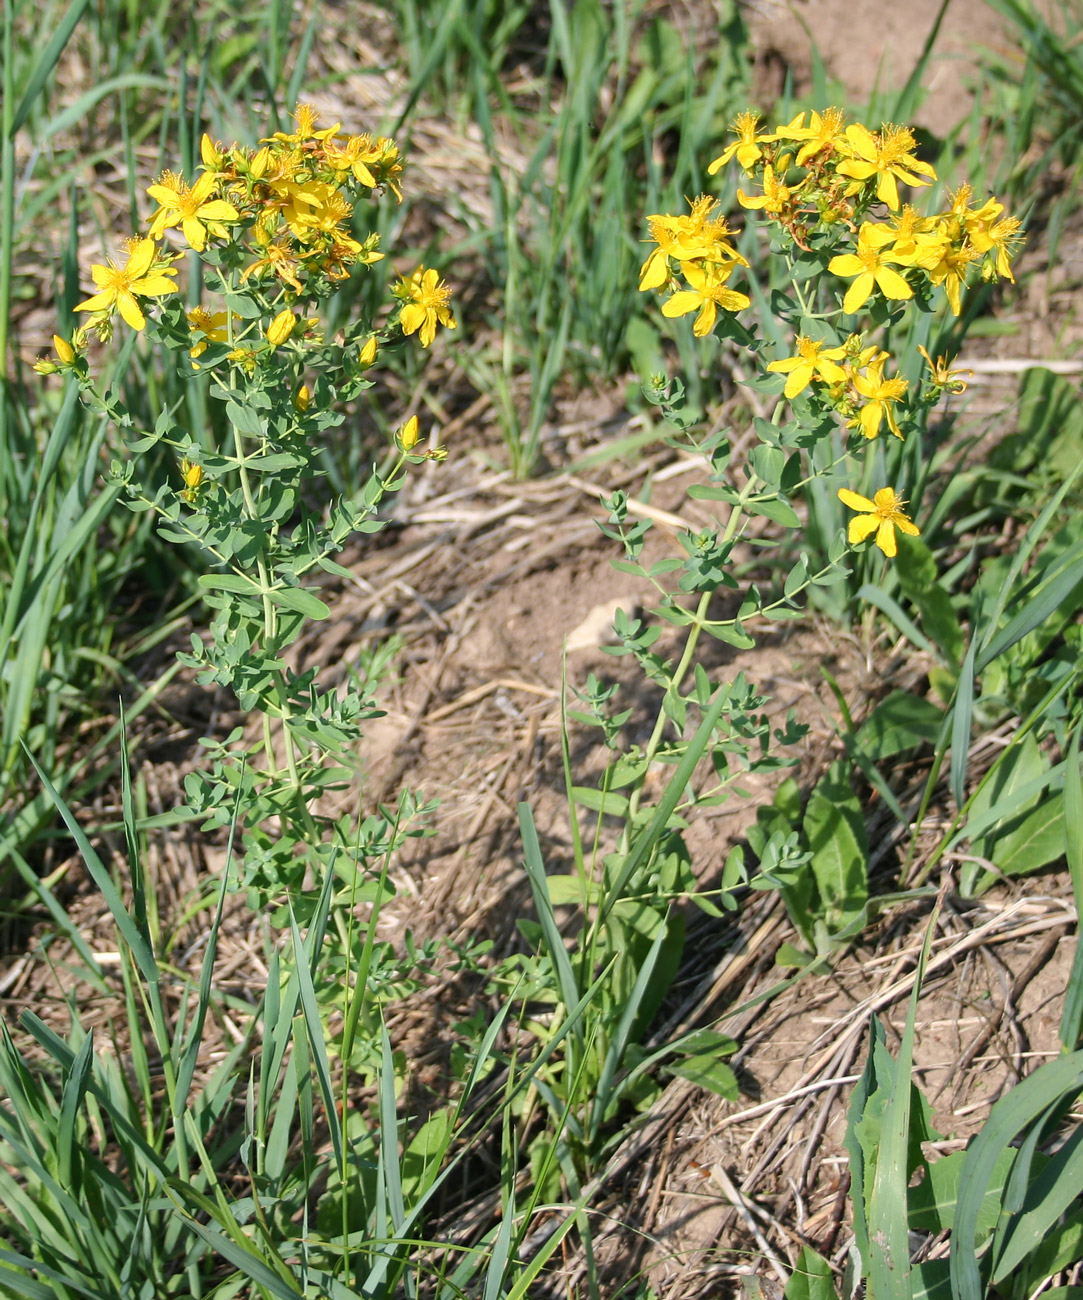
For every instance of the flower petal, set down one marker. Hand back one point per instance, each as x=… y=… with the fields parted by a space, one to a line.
x=861 y=527
x=129 y=310
x=855 y=501
x=885 y=538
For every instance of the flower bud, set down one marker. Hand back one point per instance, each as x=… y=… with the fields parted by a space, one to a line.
x=408 y=434
x=302 y=399
x=281 y=327
x=260 y=164
x=193 y=474
x=64 y=350
x=210 y=153
x=368 y=353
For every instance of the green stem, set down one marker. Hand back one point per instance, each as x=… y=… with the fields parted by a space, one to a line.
x=730 y=531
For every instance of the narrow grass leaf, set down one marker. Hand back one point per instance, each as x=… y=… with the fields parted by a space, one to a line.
x=888 y=1263
x=891 y=607
x=1025 y=1103
x=389 y=1134
x=92 y=972
x=674 y=791
x=554 y=941
x=62 y=1053
x=133 y=937
x=79 y=111
x=15 y=1284
x=47 y=61
x=619 y=1042
x=1049 y=1196
x=1071 y=1020
x=244 y=1259
x=1022 y=554
x=304 y=956
x=1047 y=600
x=70 y=1104
x=961 y=718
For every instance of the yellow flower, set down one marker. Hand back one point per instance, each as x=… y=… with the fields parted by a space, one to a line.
x=281 y=327
x=358 y=155
x=885 y=514
x=946 y=263
x=190 y=207
x=686 y=238
x=775 y=196
x=306 y=118
x=425 y=304
x=811 y=359
x=275 y=258
x=944 y=379
x=999 y=243
x=408 y=435
x=119 y=285
x=213 y=325
x=868 y=263
x=746 y=146
x=706 y=295
x=302 y=398
x=887 y=156
x=881 y=394
x=822 y=133
x=367 y=355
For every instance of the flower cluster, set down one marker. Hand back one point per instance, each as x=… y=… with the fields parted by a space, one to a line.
x=699 y=249
x=824 y=183
x=849 y=378
x=831 y=192
x=280 y=218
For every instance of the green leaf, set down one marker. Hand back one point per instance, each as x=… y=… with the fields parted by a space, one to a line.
x=933 y=1201
x=767 y=462
x=301 y=600
x=234 y=582
x=776 y=509
x=707 y=1071
x=1031 y=836
x=616 y=805
x=835 y=829
x=901 y=722
x=245 y=419
x=273 y=463
x=243 y=305
x=812 y=1278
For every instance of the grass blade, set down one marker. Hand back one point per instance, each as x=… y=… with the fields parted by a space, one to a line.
x=1026 y=1102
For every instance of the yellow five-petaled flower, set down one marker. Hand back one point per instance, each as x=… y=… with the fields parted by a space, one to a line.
x=425 y=303
x=882 y=515
x=869 y=264
x=118 y=286
x=190 y=207
x=812 y=359
x=706 y=294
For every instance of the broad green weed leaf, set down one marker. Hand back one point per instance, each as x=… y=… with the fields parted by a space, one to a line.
x=901 y=722
x=708 y=1072
x=933 y=1201
x=835 y=829
x=1028 y=837
x=812 y=1278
